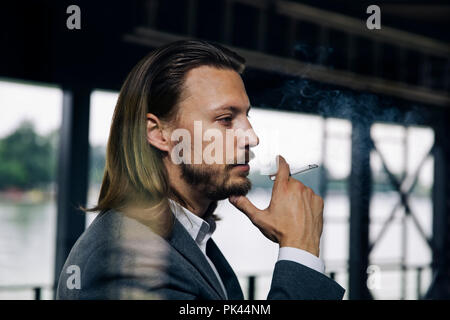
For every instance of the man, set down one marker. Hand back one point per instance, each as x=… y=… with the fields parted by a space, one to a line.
x=160 y=189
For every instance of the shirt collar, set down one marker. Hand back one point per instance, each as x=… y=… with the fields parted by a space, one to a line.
x=199 y=229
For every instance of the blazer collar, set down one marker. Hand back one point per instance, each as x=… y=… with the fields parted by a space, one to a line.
x=225 y=271
x=186 y=246
x=200 y=230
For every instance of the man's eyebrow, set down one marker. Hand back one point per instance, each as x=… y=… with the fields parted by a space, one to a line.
x=232 y=108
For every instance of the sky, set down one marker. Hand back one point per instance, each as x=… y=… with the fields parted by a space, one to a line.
x=298 y=137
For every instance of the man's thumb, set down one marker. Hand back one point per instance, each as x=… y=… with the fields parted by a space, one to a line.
x=243 y=204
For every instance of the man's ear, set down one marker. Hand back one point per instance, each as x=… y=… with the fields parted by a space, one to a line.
x=155 y=133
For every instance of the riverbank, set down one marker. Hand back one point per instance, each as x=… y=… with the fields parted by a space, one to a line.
x=33 y=196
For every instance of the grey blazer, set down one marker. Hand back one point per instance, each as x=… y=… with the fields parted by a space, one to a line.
x=121 y=258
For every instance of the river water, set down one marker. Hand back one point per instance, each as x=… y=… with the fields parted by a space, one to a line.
x=27 y=237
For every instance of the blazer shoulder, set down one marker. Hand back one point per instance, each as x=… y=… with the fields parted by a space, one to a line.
x=113 y=247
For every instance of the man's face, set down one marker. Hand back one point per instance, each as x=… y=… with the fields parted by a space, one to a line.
x=216 y=100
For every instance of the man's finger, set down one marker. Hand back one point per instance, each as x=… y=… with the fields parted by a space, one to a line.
x=283 y=172
x=243 y=204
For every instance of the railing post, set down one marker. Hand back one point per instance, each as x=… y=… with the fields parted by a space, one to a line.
x=251 y=287
x=419 y=283
x=37 y=293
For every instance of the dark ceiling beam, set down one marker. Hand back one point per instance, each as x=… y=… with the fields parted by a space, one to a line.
x=357 y=26
x=345 y=23
x=263 y=61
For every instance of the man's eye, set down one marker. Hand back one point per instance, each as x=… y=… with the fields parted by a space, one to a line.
x=226 y=120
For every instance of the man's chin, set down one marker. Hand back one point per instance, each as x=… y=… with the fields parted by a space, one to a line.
x=238 y=187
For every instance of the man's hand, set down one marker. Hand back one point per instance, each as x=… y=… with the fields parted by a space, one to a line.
x=294 y=217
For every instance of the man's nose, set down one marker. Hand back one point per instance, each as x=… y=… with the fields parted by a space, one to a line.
x=251 y=139
x=254 y=139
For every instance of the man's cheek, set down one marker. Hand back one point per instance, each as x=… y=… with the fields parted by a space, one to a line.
x=229 y=147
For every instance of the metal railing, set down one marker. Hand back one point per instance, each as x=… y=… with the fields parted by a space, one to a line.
x=252 y=281
x=36 y=289
x=335 y=274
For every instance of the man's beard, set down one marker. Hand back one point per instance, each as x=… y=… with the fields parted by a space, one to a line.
x=213 y=181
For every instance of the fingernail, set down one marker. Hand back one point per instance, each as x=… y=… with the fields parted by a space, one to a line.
x=232 y=199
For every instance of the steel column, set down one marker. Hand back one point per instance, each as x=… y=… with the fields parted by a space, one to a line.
x=360 y=191
x=440 y=286
x=72 y=172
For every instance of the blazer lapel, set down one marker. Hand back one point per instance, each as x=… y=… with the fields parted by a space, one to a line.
x=186 y=246
x=225 y=271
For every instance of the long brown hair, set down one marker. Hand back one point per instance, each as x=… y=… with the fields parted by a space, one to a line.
x=134 y=169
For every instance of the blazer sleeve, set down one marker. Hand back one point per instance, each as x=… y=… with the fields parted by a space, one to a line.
x=294 y=281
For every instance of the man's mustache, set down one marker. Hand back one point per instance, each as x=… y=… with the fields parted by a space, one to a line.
x=248 y=156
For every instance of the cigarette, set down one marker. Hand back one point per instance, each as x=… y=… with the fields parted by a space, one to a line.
x=294 y=171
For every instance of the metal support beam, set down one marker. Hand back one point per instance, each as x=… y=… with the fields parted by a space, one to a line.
x=191 y=17
x=440 y=286
x=151 y=7
x=227 y=35
x=401 y=56
x=262 y=29
x=354 y=26
x=324 y=41
x=72 y=172
x=291 y=37
x=425 y=71
x=376 y=59
x=360 y=191
x=351 y=52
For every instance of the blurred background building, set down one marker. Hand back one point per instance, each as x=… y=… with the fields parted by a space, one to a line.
x=371 y=107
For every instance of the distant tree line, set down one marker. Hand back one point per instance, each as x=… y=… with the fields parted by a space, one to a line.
x=29 y=160
x=26 y=158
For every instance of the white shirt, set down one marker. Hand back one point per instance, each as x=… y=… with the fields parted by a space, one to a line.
x=201 y=231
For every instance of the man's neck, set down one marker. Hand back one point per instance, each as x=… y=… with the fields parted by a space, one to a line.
x=193 y=200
